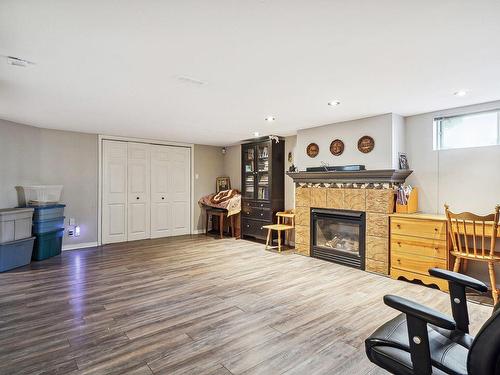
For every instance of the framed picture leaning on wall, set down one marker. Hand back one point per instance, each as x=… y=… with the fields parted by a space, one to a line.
x=222 y=183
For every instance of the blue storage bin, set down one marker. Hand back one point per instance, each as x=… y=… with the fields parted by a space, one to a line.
x=48 y=245
x=16 y=253
x=49 y=212
x=45 y=226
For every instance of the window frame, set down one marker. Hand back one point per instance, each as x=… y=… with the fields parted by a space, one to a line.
x=438 y=132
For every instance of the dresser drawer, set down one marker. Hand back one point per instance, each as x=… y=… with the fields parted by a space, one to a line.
x=257 y=213
x=253 y=228
x=415 y=263
x=419 y=246
x=435 y=230
x=256 y=204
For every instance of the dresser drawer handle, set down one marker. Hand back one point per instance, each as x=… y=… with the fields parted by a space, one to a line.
x=399 y=243
x=261 y=214
x=436 y=248
x=436 y=229
x=399 y=260
x=399 y=226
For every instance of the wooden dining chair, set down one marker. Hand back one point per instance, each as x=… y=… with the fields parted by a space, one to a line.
x=473 y=237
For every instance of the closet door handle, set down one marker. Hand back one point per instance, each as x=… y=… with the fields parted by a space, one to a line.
x=162 y=198
x=137 y=198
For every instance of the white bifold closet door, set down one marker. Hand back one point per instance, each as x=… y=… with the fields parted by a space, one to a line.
x=139 y=191
x=145 y=191
x=170 y=191
x=114 y=191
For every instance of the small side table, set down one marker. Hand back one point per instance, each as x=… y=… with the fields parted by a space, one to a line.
x=221 y=214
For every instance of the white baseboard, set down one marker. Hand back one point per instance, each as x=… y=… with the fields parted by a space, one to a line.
x=82 y=245
x=198 y=231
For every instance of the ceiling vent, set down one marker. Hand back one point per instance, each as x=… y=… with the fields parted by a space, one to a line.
x=191 y=80
x=16 y=61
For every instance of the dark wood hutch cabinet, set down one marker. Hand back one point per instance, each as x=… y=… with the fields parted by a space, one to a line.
x=262 y=185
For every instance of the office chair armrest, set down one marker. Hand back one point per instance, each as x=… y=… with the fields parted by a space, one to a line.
x=459 y=278
x=458 y=298
x=417 y=318
x=419 y=311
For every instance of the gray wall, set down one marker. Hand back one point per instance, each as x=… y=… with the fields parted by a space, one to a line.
x=19 y=159
x=290 y=145
x=380 y=128
x=32 y=155
x=466 y=178
x=232 y=165
x=208 y=165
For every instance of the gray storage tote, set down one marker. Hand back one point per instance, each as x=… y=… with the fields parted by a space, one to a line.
x=15 y=224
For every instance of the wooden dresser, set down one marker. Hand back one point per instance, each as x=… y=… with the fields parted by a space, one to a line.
x=418 y=242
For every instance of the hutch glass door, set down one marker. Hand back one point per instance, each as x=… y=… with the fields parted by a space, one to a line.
x=249 y=163
x=263 y=171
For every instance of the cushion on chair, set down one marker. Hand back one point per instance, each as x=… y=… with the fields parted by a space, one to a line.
x=449 y=349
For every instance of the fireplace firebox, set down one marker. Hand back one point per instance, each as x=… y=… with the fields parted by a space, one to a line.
x=338 y=236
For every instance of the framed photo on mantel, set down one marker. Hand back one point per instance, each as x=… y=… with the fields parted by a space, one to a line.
x=403 y=161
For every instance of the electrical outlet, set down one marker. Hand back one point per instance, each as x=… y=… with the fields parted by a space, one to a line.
x=70 y=232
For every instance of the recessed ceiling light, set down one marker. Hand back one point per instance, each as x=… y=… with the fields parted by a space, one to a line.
x=256 y=134
x=460 y=93
x=270 y=118
x=334 y=103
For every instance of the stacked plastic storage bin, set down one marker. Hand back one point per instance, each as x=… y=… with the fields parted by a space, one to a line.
x=48 y=228
x=16 y=242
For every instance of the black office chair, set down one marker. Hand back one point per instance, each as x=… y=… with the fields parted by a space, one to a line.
x=423 y=341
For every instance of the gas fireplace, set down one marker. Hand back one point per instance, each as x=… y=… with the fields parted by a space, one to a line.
x=338 y=236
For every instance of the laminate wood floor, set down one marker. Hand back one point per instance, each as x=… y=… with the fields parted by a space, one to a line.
x=194 y=305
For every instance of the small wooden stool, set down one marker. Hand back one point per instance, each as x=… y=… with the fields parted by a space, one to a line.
x=221 y=214
x=287 y=224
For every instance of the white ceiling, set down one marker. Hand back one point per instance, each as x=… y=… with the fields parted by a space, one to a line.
x=113 y=67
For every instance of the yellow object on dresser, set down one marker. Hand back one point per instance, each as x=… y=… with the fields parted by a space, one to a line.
x=418 y=242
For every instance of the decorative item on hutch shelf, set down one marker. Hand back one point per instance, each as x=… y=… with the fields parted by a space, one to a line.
x=337 y=147
x=407 y=199
x=366 y=144
x=222 y=183
x=312 y=150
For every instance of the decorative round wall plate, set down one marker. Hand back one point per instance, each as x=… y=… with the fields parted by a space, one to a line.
x=312 y=150
x=337 y=147
x=366 y=144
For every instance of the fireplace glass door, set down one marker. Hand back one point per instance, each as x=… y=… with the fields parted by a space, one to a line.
x=341 y=236
x=338 y=236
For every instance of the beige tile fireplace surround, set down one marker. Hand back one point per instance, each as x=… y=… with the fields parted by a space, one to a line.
x=378 y=203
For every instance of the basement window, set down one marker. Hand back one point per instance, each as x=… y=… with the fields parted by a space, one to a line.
x=470 y=130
